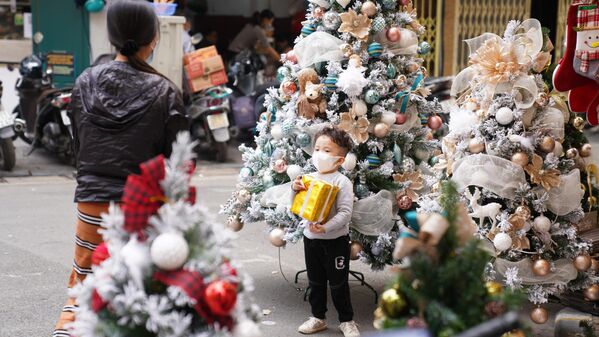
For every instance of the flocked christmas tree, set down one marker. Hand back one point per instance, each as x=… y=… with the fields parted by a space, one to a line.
x=508 y=151
x=163 y=269
x=357 y=65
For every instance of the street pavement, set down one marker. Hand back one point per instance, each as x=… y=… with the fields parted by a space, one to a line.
x=37 y=217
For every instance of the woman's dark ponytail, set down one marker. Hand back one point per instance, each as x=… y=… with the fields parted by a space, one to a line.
x=132 y=25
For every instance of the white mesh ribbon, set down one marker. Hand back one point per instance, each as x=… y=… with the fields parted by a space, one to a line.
x=412 y=120
x=495 y=174
x=318 y=47
x=565 y=198
x=407 y=45
x=550 y=121
x=563 y=273
x=280 y=195
x=374 y=215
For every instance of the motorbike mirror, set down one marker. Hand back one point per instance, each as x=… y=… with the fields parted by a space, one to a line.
x=197 y=38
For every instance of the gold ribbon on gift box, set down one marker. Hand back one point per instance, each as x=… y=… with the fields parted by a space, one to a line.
x=315 y=202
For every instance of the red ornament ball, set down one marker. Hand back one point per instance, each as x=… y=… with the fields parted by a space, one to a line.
x=404 y=202
x=221 y=297
x=435 y=122
x=394 y=34
x=400 y=118
x=289 y=87
x=100 y=254
x=98 y=302
x=405 y=2
x=291 y=56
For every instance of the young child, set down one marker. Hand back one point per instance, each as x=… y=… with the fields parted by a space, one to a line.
x=326 y=245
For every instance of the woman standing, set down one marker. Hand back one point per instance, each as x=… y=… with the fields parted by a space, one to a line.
x=124 y=113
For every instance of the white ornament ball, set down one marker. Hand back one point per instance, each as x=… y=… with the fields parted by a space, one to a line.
x=388 y=118
x=423 y=154
x=293 y=171
x=504 y=116
x=276 y=237
x=244 y=196
x=471 y=106
x=542 y=224
x=246 y=328
x=351 y=160
x=558 y=150
x=169 y=251
x=502 y=242
x=276 y=132
x=359 y=107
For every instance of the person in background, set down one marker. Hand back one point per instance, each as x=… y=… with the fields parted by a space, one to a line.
x=210 y=35
x=124 y=113
x=187 y=44
x=253 y=36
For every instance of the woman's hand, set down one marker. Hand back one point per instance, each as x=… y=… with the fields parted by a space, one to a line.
x=298 y=185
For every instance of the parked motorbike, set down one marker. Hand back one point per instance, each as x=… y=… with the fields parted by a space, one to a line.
x=7 y=148
x=209 y=114
x=42 y=118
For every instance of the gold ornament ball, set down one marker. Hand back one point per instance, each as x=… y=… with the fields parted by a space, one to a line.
x=595 y=265
x=494 y=288
x=523 y=211
x=276 y=237
x=572 y=153
x=592 y=293
x=393 y=303
x=235 y=224
x=541 y=267
x=356 y=249
x=539 y=315
x=381 y=130
x=520 y=158
x=368 y=9
x=583 y=262
x=244 y=196
x=476 y=145
x=548 y=144
x=586 y=150
x=578 y=123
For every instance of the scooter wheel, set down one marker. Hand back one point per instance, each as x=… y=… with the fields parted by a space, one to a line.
x=222 y=150
x=7 y=154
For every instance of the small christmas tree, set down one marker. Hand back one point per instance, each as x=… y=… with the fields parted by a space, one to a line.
x=163 y=269
x=444 y=289
x=510 y=150
x=357 y=66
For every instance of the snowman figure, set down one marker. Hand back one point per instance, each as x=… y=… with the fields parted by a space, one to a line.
x=586 y=62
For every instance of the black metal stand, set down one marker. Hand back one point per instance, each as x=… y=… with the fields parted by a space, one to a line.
x=356 y=274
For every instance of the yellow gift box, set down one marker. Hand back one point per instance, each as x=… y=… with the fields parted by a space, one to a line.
x=315 y=202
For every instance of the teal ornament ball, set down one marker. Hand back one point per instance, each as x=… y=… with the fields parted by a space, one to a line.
x=424 y=48
x=308 y=29
x=374 y=161
x=434 y=161
x=287 y=127
x=303 y=139
x=375 y=49
x=391 y=71
x=94 y=6
x=246 y=172
x=331 y=83
x=320 y=68
x=283 y=73
x=372 y=96
x=268 y=149
x=378 y=24
x=362 y=191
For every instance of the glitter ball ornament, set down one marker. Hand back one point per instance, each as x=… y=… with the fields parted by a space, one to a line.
x=541 y=267
x=476 y=145
x=391 y=71
x=381 y=130
x=393 y=34
x=547 y=144
x=586 y=150
x=578 y=123
x=235 y=224
x=331 y=20
x=287 y=127
x=390 y=4
x=524 y=212
x=542 y=224
x=572 y=153
x=282 y=73
x=308 y=29
x=400 y=119
x=493 y=288
x=375 y=49
x=331 y=83
x=243 y=196
x=520 y=158
x=502 y=242
x=504 y=116
x=276 y=132
x=372 y=96
x=276 y=237
x=356 y=249
x=318 y=13
x=435 y=122
x=424 y=48
x=592 y=293
x=280 y=166
x=393 y=303
x=539 y=315
x=404 y=202
x=221 y=296
x=582 y=262
x=362 y=191
x=169 y=251
x=408 y=164
x=303 y=139
x=289 y=88
x=374 y=161
x=378 y=24
x=368 y=8
x=293 y=171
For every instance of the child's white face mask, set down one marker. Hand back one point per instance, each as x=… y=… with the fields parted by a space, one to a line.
x=323 y=161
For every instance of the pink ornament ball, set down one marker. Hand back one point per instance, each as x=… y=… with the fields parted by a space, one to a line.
x=280 y=166
x=289 y=87
x=400 y=119
x=405 y=2
x=394 y=34
x=318 y=13
x=291 y=56
x=435 y=122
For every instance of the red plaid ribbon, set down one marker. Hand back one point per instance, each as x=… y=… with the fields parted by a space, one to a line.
x=588 y=17
x=586 y=57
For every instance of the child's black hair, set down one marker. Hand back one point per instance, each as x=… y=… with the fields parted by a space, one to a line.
x=337 y=136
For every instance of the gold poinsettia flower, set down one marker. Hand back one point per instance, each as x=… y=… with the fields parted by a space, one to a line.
x=547 y=178
x=356 y=127
x=416 y=183
x=497 y=63
x=358 y=25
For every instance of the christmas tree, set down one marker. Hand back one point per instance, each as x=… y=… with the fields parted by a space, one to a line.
x=444 y=288
x=357 y=66
x=511 y=151
x=163 y=269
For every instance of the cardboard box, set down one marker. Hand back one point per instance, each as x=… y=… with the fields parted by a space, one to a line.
x=202 y=67
x=200 y=54
x=208 y=81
